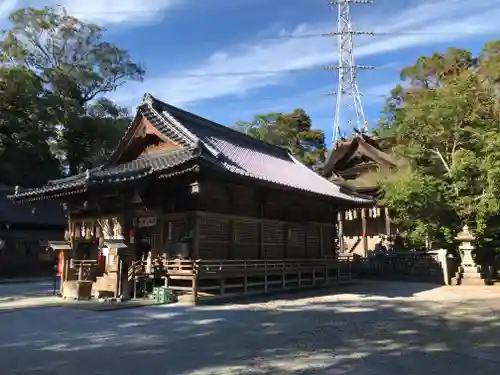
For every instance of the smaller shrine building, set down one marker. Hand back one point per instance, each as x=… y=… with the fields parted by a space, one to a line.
x=355 y=163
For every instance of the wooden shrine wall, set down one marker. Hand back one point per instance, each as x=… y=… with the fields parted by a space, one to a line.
x=235 y=224
x=232 y=237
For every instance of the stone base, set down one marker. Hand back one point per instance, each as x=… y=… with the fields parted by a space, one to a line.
x=470 y=275
x=77 y=289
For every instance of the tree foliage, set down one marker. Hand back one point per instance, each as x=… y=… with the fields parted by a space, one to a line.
x=444 y=121
x=26 y=123
x=76 y=68
x=292 y=131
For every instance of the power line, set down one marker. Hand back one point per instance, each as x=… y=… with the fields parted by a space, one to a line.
x=268 y=72
x=322 y=35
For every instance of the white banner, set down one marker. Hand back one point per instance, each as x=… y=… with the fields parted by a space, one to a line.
x=144 y=222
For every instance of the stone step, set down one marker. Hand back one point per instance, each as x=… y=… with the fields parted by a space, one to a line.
x=470 y=275
x=468 y=270
x=472 y=282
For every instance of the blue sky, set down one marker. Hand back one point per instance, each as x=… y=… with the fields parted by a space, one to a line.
x=190 y=46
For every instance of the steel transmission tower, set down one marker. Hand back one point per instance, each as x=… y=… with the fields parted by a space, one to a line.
x=349 y=106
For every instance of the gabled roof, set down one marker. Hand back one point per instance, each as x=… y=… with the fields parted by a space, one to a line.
x=202 y=139
x=365 y=144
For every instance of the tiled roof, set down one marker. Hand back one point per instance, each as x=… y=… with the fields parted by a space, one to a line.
x=368 y=145
x=247 y=156
x=141 y=167
x=229 y=149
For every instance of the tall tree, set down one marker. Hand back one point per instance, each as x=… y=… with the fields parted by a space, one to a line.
x=72 y=59
x=445 y=124
x=26 y=124
x=291 y=130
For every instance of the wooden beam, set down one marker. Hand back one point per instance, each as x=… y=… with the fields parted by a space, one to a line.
x=259 y=220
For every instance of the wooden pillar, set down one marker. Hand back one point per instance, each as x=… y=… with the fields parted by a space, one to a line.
x=306 y=237
x=286 y=235
x=195 y=254
x=261 y=203
x=340 y=226
x=232 y=211
x=195 y=250
x=122 y=286
x=231 y=235
x=67 y=254
x=321 y=242
x=387 y=222
x=194 y=284
x=286 y=232
x=245 y=280
x=364 y=229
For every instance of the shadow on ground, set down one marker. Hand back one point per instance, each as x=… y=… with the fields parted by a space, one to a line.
x=361 y=329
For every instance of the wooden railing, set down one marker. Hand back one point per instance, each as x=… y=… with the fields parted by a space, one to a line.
x=136 y=270
x=217 y=278
x=200 y=267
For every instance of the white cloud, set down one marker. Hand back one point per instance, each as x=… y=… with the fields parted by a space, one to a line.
x=6 y=7
x=443 y=21
x=100 y=11
x=117 y=11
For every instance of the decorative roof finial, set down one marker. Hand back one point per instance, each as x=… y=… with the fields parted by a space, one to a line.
x=17 y=190
x=87 y=174
x=147 y=98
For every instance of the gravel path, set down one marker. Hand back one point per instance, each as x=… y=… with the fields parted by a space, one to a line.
x=366 y=329
x=35 y=288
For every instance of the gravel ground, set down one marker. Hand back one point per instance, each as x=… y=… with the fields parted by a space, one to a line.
x=370 y=328
x=35 y=288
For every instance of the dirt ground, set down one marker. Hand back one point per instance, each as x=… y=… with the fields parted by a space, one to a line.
x=364 y=329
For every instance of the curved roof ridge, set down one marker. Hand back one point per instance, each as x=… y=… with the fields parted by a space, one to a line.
x=224 y=128
x=339 y=188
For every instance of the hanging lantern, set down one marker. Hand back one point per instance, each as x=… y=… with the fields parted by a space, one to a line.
x=76 y=231
x=88 y=234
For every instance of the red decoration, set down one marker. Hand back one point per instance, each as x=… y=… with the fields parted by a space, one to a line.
x=364 y=234
x=132 y=235
x=60 y=263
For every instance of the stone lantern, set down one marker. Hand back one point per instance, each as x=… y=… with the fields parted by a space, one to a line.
x=469 y=272
x=465 y=237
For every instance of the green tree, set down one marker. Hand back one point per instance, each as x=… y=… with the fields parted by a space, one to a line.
x=290 y=130
x=444 y=123
x=26 y=124
x=75 y=63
